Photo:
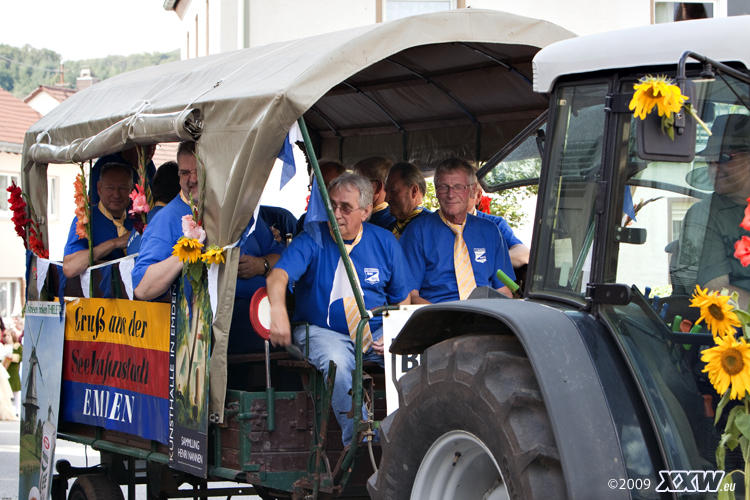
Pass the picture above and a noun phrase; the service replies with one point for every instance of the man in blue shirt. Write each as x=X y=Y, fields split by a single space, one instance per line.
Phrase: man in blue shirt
x=383 y=276
x=451 y=253
x=519 y=253
x=404 y=190
x=376 y=170
x=110 y=226
x=156 y=268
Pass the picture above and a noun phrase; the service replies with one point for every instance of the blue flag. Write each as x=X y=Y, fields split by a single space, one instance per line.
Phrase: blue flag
x=316 y=214
x=286 y=155
x=627 y=204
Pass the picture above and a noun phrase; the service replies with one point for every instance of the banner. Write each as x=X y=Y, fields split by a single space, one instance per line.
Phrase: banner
x=115 y=366
x=42 y=365
x=188 y=381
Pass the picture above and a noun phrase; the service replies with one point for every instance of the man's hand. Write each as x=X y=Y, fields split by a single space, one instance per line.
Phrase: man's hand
x=121 y=242
x=276 y=234
x=377 y=346
x=281 y=330
x=250 y=266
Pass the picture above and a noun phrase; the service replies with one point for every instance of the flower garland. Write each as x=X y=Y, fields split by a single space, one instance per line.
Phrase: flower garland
x=484 y=204
x=660 y=92
x=19 y=201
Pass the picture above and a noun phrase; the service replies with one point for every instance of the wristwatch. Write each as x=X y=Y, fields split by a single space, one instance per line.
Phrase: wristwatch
x=267 y=267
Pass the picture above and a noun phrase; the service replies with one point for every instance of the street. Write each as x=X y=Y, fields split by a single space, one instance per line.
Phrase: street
x=78 y=456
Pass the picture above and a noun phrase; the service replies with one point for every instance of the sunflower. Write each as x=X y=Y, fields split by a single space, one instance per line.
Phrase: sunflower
x=716 y=310
x=187 y=249
x=214 y=255
x=656 y=91
x=728 y=363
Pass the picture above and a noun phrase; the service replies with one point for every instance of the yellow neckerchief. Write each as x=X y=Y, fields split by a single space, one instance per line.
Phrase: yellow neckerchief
x=379 y=207
x=184 y=198
x=161 y=203
x=119 y=222
x=398 y=229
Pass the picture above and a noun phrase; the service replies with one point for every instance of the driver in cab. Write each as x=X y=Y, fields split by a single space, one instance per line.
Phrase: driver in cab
x=711 y=227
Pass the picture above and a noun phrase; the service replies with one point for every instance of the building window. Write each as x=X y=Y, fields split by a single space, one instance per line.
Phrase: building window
x=9 y=294
x=5 y=181
x=53 y=197
x=738 y=7
x=396 y=9
x=668 y=12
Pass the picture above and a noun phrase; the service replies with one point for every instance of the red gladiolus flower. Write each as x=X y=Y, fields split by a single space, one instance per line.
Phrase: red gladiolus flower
x=484 y=204
x=742 y=250
x=18 y=206
x=745 y=224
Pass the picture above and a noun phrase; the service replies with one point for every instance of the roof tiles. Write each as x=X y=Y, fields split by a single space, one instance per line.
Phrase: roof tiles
x=15 y=118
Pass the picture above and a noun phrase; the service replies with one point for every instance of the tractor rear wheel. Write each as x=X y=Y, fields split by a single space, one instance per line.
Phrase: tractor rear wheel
x=95 y=487
x=471 y=425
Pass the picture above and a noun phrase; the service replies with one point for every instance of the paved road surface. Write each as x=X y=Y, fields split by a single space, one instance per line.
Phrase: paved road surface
x=76 y=454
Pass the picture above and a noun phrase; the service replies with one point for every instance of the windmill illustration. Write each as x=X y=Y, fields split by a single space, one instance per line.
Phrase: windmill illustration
x=30 y=402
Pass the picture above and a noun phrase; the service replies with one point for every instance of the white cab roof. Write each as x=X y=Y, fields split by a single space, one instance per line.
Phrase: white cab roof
x=722 y=39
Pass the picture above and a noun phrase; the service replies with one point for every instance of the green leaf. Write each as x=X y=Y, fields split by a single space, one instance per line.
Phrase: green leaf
x=721 y=405
x=721 y=451
x=196 y=271
x=723 y=494
x=742 y=421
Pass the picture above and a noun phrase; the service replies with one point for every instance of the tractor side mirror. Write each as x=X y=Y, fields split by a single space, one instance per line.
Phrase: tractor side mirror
x=656 y=145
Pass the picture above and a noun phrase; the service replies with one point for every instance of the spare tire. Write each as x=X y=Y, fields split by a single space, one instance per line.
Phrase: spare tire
x=471 y=425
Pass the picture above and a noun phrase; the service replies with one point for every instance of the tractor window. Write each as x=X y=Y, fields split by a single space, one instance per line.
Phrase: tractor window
x=673 y=226
x=567 y=234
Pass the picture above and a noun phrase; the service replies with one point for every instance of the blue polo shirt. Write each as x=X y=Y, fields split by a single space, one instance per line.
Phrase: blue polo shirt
x=428 y=246
x=259 y=243
x=102 y=228
x=510 y=238
x=159 y=237
x=378 y=260
x=134 y=243
x=383 y=218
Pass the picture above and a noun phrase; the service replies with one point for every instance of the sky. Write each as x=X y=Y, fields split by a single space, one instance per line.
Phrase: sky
x=88 y=29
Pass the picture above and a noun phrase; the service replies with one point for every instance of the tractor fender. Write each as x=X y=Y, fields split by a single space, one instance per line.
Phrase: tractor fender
x=586 y=438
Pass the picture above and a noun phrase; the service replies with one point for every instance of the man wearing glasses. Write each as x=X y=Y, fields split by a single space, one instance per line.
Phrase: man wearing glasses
x=322 y=291
x=711 y=226
x=450 y=252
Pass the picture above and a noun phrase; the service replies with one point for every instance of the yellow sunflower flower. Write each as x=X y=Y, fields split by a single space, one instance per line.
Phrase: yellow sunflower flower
x=716 y=310
x=214 y=255
x=728 y=363
x=656 y=91
x=187 y=249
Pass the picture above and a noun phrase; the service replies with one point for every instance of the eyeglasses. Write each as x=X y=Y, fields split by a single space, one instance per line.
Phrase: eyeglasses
x=345 y=209
x=458 y=188
x=727 y=157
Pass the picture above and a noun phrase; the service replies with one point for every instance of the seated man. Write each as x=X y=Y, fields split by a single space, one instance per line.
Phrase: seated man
x=711 y=227
x=450 y=252
x=519 y=253
x=156 y=268
x=110 y=226
x=127 y=157
x=405 y=188
x=376 y=170
x=383 y=276
x=165 y=188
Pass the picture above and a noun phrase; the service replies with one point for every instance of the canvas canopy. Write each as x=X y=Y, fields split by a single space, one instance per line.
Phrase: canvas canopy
x=423 y=88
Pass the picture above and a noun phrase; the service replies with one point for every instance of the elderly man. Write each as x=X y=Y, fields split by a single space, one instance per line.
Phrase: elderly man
x=450 y=252
x=404 y=190
x=156 y=268
x=711 y=227
x=110 y=226
x=383 y=276
x=330 y=170
x=519 y=253
x=376 y=170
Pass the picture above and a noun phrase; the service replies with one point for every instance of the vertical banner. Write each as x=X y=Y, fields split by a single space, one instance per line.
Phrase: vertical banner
x=115 y=366
x=42 y=366
x=188 y=392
